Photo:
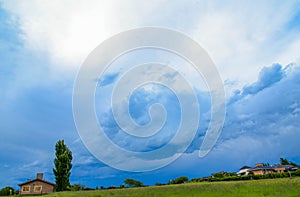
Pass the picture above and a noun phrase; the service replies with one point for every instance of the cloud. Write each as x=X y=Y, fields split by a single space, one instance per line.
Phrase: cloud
x=43 y=43
x=240 y=37
x=267 y=77
x=67 y=31
x=268 y=116
x=108 y=79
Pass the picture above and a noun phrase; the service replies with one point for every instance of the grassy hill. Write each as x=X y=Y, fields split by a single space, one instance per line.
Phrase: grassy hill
x=266 y=187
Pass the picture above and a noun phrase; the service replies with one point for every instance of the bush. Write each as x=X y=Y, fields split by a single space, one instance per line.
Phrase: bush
x=132 y=183
x=6 y=191
x=296 y=173
x=179 y=180
x=112 y=187
x=77 y=187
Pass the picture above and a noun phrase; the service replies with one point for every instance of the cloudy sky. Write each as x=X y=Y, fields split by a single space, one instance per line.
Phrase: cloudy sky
x=255 y=47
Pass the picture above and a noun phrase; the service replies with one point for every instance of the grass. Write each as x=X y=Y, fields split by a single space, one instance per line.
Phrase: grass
x=267 y=187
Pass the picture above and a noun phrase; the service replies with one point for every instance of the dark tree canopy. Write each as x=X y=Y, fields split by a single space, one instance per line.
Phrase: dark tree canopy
x=179 y=180
x=63 y=165
x=284 y=161
x=132 y=183
x=6 y=191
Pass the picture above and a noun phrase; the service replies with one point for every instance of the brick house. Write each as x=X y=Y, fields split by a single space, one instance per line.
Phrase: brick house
x=36 y=186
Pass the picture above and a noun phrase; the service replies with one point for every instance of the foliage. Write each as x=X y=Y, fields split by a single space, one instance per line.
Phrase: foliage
x=63 y=165
x=132 y=183
x=159 y=184
x=112 y=187
x=77 y=187
x=179 y=180
x=284 y=161
x=295 y=173
x=223 y=174
x=6 y=191
x=248 y=177
x=250 y=188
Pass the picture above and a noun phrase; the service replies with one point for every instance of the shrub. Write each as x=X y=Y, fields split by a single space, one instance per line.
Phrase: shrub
x=6 y=191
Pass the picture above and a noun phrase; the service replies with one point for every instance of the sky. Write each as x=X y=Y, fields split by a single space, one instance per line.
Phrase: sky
x=43 y=44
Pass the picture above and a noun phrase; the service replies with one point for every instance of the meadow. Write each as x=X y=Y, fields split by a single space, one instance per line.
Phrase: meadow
x=267 y=187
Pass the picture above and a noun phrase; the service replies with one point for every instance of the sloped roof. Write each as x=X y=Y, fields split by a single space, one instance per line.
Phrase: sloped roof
x=262 y=168
x=30 y=181
x=284 y=166
x=245 y=167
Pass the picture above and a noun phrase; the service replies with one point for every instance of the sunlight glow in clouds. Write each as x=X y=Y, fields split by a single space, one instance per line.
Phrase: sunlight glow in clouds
x=238 y=36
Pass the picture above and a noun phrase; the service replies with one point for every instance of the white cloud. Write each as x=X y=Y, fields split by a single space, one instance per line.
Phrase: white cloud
x=241 y=37
x=68 y=31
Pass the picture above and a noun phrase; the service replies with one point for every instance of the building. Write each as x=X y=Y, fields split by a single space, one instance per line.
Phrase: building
x=244 y=170
x=36 y=186
x=261 y=169
x=284 y=168
x=259 y=165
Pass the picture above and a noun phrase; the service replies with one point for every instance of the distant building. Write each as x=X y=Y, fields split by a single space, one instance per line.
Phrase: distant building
x=36 y=186
x=261 y=169
x=244 y=170
x=284 y=168
x=259 y=165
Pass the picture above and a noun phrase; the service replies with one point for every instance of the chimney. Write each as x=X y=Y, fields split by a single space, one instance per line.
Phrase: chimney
x=39 y=176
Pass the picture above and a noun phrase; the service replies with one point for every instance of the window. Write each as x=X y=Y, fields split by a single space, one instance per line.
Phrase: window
x=25 y=188
x=37 y=188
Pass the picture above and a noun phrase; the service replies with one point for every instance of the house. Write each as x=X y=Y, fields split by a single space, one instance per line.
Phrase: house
x=244 y=170
x=261 y=170
x=284 y=168
x=259 y=165
x=36 y=186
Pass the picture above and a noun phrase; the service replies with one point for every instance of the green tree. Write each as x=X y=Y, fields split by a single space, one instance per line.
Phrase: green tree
x=179 y=180
x=6 y=191
x=284 y=161
x=77 y=187
x=132 y=183
x=63 y=166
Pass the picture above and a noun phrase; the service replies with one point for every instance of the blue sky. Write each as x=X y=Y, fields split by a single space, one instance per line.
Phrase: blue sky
x=255 y=47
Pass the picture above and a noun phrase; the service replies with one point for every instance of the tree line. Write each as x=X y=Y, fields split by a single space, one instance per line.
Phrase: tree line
x=63 y=166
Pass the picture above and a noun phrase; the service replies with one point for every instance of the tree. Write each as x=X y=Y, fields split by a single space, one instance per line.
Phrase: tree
x=179 y=180
x=7 y=191
x=284 y=161
x=77 y=187
x=63 y=165
x=132 y=183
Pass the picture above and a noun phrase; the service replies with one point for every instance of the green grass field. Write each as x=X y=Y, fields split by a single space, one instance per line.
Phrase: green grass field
x=266 y=187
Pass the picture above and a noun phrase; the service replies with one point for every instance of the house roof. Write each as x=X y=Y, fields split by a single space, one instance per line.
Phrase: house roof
x=30 y=181
x=245 y=167
x=262 y=168
x=284 y=166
